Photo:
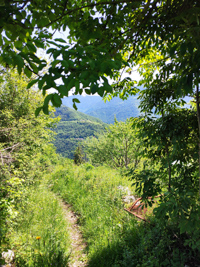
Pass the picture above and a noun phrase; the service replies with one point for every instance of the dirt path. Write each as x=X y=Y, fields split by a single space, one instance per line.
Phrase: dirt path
x=77 y=257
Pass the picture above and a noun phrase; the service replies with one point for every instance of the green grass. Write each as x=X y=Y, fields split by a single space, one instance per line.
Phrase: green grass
x=40 y=236
x=95 y=196
x=113 y=236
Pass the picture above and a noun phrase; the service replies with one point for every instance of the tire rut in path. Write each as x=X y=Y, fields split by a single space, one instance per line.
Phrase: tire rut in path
x=77 y=257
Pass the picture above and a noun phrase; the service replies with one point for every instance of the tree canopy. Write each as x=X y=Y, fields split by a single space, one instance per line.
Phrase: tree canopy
x=104 y=38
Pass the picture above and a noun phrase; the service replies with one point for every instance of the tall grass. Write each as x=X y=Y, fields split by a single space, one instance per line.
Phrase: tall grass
x=114 y=237
x=40 y=236
x=97 y=198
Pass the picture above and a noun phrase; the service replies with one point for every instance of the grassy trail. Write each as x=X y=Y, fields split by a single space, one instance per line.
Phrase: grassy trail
x=96 y=196
x=77 y=256
x=40 y=236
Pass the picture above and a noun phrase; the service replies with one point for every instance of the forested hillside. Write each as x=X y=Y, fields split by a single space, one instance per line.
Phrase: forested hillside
x=106 y=111
x=73 y=128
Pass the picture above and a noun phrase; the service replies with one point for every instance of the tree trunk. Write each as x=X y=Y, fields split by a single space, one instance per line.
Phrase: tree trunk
x=198 y=119
x=169 y=168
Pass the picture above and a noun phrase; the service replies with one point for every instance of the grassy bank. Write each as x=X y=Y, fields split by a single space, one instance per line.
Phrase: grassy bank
x=39 y=236
x=114 y=237
x=96 y=196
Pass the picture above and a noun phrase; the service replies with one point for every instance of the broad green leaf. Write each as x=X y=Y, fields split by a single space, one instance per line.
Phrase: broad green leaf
x=65 y=64
x=75 y=100
x=31 y=47
x=60 y=40
x=31 y=83
x=27 y=72
x=74 y=106
x=50 y=50
x=101 y=91
x=63 y=90
x=56 y=101
x=47 y=99
x=41 y=83
x=18 y=60
x=37 y=111
x=94 y=89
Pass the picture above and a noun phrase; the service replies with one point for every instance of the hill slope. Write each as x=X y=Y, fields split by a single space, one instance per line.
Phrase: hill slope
x=95 y=106
x=74 y=127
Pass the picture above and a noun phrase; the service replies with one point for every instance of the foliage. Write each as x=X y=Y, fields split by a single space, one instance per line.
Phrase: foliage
x=24 y=148
x=104 y=37
x=171 y=169
x=78 y=156
x=160 y=37
x=113 y=236
x=117 y=147
x=96 y=197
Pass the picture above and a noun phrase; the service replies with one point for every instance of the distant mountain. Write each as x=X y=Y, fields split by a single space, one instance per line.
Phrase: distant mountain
x=96 y=107
x=73 y=128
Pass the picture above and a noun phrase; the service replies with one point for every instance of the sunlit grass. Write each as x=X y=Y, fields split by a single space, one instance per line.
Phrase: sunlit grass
x=96 y=197
x=40 y=236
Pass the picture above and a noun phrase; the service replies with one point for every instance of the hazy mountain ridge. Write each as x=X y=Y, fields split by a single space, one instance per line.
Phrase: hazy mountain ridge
x=96 y=107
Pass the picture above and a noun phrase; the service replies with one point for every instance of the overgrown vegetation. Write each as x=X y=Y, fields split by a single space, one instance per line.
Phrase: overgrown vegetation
x=117 y=147
x=39 y=236
x=97 y=198
x=31 y=221
x=114 y=237
x=106 y=41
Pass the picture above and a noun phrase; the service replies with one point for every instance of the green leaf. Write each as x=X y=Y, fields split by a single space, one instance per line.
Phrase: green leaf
x=65 y=64
x=74 y=106
x=56 y=53
x=31 y=47
x=43 y=22
x=76 y=100
x=54 y=63
x=41 y=83
x=101 y=91
x=77 y=85
x=31 y=83
x=50 y=50
x=45 y=110
x=71 y=84
x=63 y=90
x=18 y=60
x=27 y=72
x=39 y=44
x=37 y=111
x=108 y=88
x=56 y=101
x=94 y=89
x=60 y=40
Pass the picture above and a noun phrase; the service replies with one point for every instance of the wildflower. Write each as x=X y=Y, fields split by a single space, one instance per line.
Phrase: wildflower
x=38 y=237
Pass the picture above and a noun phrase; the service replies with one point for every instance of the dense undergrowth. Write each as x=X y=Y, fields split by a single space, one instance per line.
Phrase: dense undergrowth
x=114 y=237
x=39 y=235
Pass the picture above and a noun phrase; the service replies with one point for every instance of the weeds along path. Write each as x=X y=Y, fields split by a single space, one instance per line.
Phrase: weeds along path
x=77 y=257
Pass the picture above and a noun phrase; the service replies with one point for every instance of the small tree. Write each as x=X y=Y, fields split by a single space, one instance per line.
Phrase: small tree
x=117 y=147
x=78 y=156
